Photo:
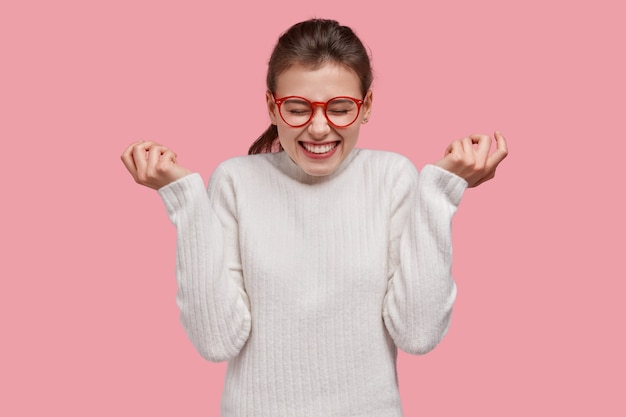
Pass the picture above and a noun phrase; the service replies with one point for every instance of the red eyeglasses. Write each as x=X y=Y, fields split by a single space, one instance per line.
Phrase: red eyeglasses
x=339 y=111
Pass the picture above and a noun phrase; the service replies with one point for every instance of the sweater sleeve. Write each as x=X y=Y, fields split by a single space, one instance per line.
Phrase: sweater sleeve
x=420 y=292
x=214 y=307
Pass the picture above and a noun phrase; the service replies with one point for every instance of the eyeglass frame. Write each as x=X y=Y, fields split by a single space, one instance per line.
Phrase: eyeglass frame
x=280 y=101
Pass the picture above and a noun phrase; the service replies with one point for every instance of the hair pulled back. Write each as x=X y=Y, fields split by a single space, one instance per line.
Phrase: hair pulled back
x=313 y=43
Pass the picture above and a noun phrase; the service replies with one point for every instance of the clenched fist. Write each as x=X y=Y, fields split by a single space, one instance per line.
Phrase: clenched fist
x=152 y=165
x=469 y=158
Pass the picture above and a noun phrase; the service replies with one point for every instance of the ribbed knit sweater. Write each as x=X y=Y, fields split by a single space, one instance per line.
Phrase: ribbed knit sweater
x=308 y=285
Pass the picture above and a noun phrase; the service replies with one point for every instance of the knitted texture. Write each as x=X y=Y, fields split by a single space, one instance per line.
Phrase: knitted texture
x=307 y=285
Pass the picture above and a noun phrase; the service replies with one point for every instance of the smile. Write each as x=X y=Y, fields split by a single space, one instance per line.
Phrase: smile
x=319 y=149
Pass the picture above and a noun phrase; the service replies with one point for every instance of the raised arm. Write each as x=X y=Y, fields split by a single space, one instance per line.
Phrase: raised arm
x=213 y=304
x=421 y=292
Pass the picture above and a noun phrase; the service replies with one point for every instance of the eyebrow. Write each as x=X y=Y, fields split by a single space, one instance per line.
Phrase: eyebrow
x=296 y=100
x=334 y=100
x=341 y=100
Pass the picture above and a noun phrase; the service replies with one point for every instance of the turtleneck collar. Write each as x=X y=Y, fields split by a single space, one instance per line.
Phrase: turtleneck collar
x=285 y=164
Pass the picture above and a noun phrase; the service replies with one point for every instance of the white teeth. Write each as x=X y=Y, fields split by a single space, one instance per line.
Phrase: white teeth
x=319 y=149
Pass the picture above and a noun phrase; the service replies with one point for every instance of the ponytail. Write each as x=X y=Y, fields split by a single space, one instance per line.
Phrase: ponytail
x=267 y=142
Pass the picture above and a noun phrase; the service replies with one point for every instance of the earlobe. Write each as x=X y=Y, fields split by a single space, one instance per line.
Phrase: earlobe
x=367 y=106
x=271 y=106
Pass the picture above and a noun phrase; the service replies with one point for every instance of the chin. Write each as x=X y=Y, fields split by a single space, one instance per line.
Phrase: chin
x=320 y=165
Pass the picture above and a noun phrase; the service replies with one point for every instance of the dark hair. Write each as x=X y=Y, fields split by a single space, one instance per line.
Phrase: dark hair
x=313 y=43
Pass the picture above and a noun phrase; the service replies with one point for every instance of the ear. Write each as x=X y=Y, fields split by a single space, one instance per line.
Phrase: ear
x=366 y=108
x=271 y=106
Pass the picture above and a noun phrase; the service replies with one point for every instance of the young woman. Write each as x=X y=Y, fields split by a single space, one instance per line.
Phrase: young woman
x=307 y=264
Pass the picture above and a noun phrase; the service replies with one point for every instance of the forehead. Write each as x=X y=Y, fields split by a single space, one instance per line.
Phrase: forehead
x=318 y=84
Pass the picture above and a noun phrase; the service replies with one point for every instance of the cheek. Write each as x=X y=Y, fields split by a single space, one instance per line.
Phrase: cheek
x=286 y=137
x=353 y=134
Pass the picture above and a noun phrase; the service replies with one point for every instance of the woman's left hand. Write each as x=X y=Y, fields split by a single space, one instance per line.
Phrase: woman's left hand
x=469 y=158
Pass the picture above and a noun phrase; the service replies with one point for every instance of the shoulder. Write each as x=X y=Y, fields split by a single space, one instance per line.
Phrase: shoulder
x=241 y=168
x=245 y=163
x=384 y=158
x=396 y=174
x=386 y=163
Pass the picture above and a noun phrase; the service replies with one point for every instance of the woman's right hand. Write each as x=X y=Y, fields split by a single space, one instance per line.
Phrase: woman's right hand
x=152 y=165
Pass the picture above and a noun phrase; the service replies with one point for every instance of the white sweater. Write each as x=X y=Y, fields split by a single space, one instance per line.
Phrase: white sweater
x=306 y=284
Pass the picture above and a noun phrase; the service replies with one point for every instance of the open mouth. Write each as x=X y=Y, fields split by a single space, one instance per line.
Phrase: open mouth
x=320 y=149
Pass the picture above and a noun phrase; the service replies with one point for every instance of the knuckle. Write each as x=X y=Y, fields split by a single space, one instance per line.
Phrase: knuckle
x=161 y=169
x=456 y=157
x=141 y=178
x=146 y=176
x=151 y=174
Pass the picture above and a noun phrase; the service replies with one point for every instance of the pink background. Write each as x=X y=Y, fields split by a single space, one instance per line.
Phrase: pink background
x=87 y=296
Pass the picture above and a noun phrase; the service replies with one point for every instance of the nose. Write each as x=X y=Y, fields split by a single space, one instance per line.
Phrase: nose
x=319 y=127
